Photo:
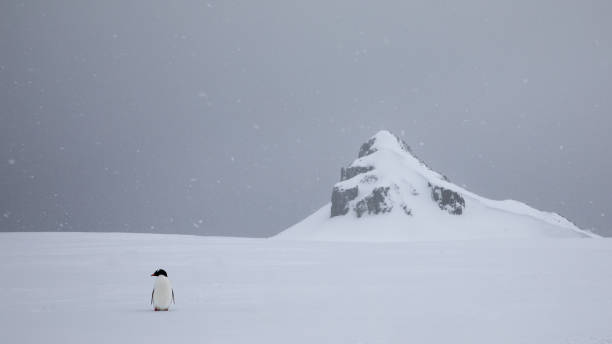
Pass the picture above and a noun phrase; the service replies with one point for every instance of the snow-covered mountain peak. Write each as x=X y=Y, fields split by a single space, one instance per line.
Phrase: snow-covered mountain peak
x=390 y=154
x=383 y=140
x=388 y=193
x=387 y=177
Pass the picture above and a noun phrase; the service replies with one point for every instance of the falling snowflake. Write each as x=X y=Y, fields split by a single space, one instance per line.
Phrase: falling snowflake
x=11 y=161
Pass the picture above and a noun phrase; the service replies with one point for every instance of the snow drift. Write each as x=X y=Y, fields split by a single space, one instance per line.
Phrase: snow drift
x=388 y=194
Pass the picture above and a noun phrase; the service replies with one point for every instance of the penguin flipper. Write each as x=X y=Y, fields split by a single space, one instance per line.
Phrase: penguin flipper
x=152 y=292
x=173 y=297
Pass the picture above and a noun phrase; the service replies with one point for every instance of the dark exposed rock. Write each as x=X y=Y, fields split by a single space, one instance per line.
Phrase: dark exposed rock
x=374 y=203
x=349 y=172
x=369 y=179
x=404 y=145
x=367 y=148
x=341 y=199
x=448 y=200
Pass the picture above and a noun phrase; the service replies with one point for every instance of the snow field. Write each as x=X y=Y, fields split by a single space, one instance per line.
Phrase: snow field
x=96 y=288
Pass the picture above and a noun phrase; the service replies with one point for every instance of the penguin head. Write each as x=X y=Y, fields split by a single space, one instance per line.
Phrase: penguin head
x=160 y=272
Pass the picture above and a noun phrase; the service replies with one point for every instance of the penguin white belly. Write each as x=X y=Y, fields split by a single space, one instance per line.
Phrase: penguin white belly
x=162 y=293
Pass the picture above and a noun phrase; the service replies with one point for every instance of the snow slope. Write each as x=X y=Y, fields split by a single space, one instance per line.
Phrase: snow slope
x=388 y=194
x=95 y=288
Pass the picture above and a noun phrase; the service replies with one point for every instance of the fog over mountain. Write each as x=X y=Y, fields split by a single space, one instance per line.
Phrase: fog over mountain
x=233 y=117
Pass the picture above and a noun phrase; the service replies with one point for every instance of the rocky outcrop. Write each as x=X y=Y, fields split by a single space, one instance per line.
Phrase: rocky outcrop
x=369 y=148
x=448 y=200
x=341 y=199
x=351 y=171
x=375 y=203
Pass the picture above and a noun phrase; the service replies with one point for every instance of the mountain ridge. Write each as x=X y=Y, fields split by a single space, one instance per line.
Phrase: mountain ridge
x=388 y=189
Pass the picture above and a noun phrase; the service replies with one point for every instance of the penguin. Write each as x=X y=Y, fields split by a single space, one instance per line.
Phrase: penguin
x=162 y=294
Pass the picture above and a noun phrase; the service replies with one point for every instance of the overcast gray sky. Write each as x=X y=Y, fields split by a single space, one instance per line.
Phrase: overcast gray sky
x=234 y=117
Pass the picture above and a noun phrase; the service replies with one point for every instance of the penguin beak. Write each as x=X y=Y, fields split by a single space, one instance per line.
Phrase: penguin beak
x=152 y=274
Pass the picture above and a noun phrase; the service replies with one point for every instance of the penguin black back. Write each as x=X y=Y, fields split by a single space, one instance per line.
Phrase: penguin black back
x=160 y=272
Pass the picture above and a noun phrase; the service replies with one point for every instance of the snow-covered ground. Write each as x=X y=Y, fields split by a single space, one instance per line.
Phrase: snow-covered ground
x=96 y=288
